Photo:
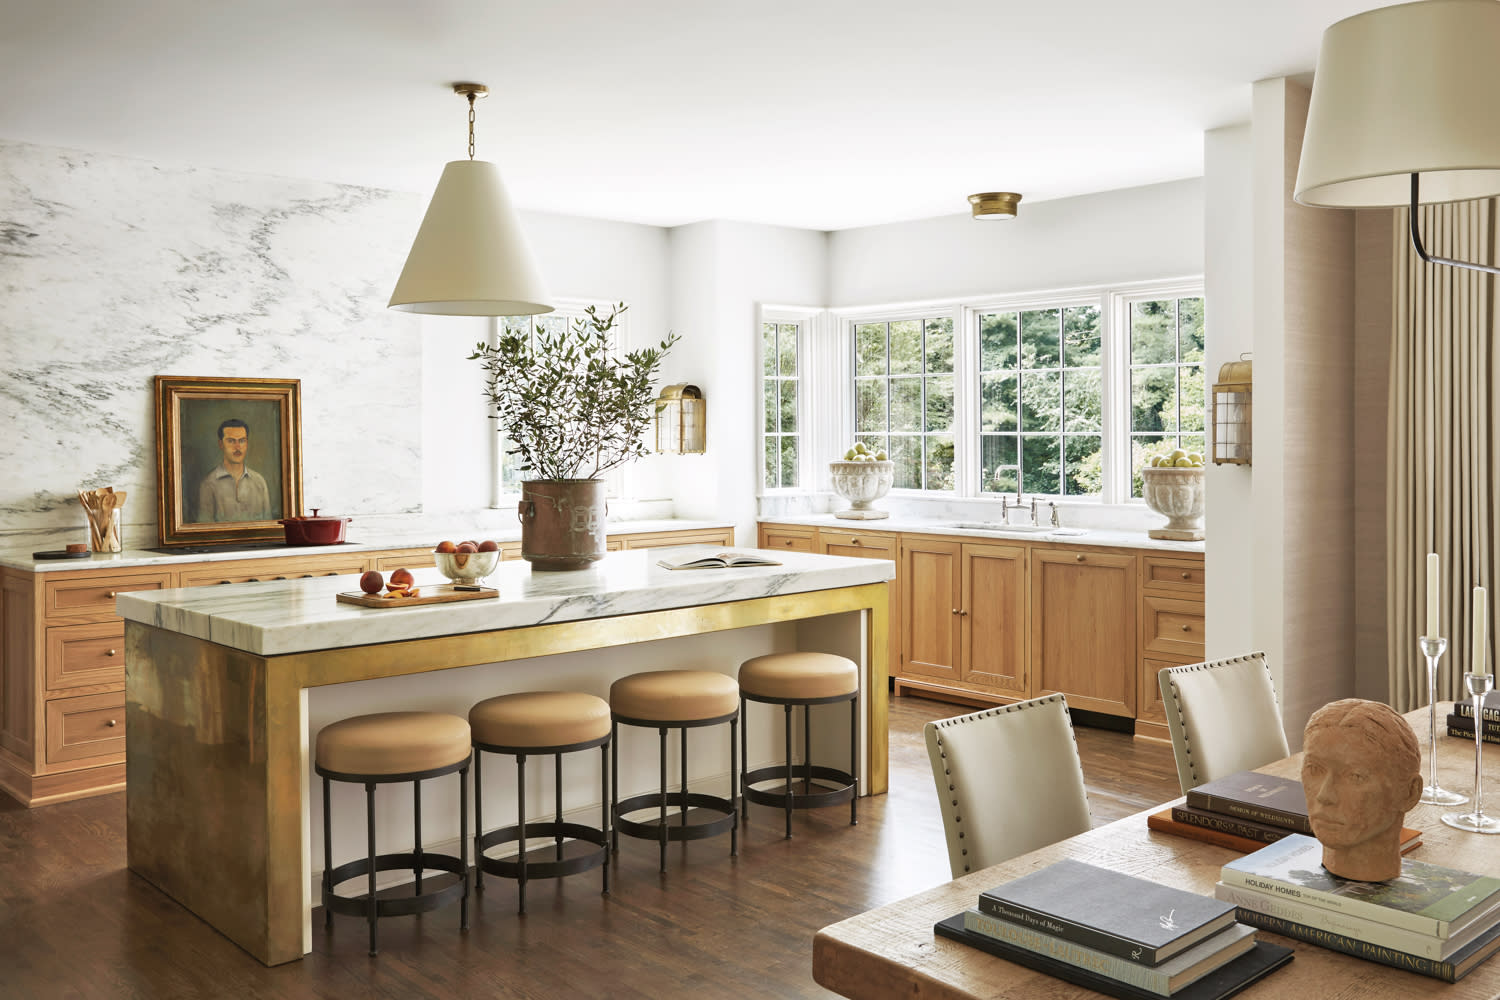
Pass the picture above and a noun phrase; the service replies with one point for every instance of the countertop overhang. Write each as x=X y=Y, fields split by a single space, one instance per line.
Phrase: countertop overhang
x=272 y=618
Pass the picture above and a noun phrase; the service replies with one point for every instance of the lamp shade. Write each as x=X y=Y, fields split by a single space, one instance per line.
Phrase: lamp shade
x=470 y=257
x=1400 y=90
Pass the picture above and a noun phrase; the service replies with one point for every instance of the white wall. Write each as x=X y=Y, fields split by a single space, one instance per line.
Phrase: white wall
x=1135 y=234
x=1229 y=297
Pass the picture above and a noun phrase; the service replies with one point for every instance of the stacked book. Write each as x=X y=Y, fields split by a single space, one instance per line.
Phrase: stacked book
x=1116 y=934
x=1247 y=811
x=1461 y=719
x=1436 y=921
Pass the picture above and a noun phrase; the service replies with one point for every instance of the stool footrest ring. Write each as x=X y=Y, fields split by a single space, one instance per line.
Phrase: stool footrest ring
x=800 y=800
x=359 y=906
x=511 y=867
x=696 y=827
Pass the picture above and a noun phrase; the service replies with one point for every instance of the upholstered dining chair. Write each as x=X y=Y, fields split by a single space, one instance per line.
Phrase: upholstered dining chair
x=1008 y=781
x=1223 y=717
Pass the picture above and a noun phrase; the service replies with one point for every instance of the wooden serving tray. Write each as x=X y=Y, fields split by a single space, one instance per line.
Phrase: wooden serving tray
x=442 y=593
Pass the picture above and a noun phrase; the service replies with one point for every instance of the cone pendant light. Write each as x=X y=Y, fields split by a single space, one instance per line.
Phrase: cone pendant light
x=470 y=257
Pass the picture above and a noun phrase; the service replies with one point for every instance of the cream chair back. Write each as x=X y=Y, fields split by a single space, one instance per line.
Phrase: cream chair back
x=1008 y=780
x=1223 y=717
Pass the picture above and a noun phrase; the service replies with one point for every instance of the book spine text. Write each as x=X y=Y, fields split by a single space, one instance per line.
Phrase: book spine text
x=1227 y=824
x=1067 y=951
x=1466 y=709
x=1244 y=810
x=1328 y=901
x=1089 y=937
x=1382 y=935
x=1348 y=945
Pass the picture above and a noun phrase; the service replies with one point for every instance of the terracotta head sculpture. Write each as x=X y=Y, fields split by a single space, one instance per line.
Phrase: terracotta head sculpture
x=1361 y=772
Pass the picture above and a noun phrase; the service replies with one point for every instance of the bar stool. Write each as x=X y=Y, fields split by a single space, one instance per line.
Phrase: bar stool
x=540 y=722
x=805 y=679
x=675 y=699
x=379 y=749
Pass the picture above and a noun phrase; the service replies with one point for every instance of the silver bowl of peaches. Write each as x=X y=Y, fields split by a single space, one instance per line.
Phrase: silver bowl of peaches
x=466 y=562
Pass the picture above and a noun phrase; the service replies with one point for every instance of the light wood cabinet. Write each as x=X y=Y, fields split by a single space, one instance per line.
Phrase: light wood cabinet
x=793 y=537
x=1172 y=631
x=872 y=545
x=931 y=574
x=62 y=655
x=992 y=616
x=1083 y=627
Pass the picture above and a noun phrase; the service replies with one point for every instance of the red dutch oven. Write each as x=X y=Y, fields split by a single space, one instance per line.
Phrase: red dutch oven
x=314 y=530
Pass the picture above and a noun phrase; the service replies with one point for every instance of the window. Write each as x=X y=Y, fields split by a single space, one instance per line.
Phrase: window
x=1166 y=380
x=903 y=397
x=780 y=369
x=1041 y=414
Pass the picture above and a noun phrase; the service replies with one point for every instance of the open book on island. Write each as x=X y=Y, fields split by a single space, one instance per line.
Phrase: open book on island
x=718 y=560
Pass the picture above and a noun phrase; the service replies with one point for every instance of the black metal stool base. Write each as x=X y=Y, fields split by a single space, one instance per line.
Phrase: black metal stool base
x=845 y=786
x=395 y=906
x=686 y=824
x=839 y=787
x=557 y=867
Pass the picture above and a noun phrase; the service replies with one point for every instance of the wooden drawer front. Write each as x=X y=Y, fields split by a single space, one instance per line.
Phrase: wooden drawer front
x=658 y=539
x=1179 y=577
x=1174 y=627
x=406 y=558
x=772 y=538
x=272 y=569
x=93 y=599
x=866 y=544
x=512 y=550
x=91 y=725
x=85 y=654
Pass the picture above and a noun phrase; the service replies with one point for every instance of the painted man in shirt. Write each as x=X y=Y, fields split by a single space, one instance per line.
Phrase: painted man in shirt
x=232 y=492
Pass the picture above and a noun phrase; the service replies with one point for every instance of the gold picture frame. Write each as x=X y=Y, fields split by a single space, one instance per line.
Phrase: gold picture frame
x=228 y=458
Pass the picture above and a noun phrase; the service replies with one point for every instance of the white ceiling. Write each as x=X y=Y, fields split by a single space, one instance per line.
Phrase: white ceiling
x=823 y=114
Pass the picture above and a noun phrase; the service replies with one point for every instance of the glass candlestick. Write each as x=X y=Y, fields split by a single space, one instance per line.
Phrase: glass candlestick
x=1432 y=793
x=1478 y=685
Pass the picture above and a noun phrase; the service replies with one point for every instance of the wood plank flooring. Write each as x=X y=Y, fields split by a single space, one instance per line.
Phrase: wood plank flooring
x=75 y=923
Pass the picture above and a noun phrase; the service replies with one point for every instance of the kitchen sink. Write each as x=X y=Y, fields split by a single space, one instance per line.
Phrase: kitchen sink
x=1015 y=529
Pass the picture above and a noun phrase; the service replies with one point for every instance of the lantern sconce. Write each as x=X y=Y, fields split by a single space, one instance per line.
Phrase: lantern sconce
x=1231 y=413
x=681 y=421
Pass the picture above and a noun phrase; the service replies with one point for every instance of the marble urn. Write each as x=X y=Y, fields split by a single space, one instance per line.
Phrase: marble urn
x=1177 y=495
x=862 y=483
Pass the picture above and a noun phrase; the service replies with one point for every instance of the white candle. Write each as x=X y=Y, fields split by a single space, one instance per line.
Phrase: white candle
x=1477 y=661
x=1432 y=595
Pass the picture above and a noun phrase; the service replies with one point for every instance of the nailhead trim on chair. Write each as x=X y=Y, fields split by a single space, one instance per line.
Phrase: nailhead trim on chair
x=941 y=724
x=1187 y=746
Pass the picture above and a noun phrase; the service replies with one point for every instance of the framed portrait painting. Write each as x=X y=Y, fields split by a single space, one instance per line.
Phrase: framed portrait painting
x=228 y=458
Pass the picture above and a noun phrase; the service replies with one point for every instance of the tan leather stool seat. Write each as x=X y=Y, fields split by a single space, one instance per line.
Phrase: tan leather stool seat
x=675 y=695
x=540 y=719
x=799 y=675
x=393 y=743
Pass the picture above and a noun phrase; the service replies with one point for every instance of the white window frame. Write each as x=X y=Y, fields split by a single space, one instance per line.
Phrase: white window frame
x=807 y=320
x=1113 y=302
x=569 y=309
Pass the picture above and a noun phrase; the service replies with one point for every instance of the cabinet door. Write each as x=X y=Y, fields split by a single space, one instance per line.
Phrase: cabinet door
x=1083 y=628
x=993 y=618
x=873 y=545
x=931 y=578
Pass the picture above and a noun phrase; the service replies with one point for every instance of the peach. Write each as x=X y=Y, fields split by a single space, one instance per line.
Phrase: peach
x=488 y=546
x=467 y=547
x=401 y=578
x=372 y=582
x=444 y=546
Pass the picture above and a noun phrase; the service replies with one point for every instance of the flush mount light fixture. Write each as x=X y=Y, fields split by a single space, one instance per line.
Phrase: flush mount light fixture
x=1404 y=111
x=470 y=257
x=994 y=205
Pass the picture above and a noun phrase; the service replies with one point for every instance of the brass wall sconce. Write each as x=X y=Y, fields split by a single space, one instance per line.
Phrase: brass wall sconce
x=1231 y=414
x=681 y=421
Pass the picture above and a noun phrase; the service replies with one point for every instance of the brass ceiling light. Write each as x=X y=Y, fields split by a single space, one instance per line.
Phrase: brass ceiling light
x=470 y=257
x=994 y=205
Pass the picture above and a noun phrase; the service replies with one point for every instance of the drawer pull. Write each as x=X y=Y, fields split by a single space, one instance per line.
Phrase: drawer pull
x=278 y=578
x=307 y=576
x=253 y=579
x=854 y=541
x=963 y=613
x=955 y=611
x=1186 y=575
x=222 y=582
x=1187 y=628
x=1079 y=558
x=109 y=593
x=110 y=723
x=109 y=652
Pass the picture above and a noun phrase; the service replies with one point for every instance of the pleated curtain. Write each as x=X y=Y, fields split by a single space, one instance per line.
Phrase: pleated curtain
x=1442 y=444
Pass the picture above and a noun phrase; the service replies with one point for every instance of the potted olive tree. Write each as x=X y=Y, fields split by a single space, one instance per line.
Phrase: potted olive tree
x=572 y=409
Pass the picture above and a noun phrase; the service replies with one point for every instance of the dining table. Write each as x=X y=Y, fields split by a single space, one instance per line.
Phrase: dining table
x=892 y=951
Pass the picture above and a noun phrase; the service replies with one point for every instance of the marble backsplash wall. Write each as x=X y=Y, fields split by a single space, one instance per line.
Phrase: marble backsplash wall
x=114 y=270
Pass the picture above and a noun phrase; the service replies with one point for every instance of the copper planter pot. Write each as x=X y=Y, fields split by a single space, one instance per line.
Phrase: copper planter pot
x=562 y=523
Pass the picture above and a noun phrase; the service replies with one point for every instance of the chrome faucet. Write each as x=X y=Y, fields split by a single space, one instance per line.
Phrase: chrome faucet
x=1033 y=512
x=1055 y=522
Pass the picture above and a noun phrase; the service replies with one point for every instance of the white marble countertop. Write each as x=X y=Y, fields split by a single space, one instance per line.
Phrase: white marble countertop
x=1111 y=537
x=21 y=557
x=290 y=616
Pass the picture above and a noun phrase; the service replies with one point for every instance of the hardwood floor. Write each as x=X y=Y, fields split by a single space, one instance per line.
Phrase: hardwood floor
x=75 y=923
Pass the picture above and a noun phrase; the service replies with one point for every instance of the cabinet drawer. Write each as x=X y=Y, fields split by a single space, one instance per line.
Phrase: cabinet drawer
x=864 y=543
x=91 y=725
x=660 y=539
x=788 y=542
x=93 y=598
x=271 y=569
x=407 y=559
x=1179 y=577
x=93 y=653
x=1173 y=626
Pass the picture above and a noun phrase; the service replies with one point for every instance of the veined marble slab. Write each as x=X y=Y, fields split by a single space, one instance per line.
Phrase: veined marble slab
x=293 y=616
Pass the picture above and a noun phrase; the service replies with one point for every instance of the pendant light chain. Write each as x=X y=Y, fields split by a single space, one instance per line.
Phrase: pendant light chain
x=471 y=124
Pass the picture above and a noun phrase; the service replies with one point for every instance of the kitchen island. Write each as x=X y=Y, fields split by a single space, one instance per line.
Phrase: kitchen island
x=219 y=684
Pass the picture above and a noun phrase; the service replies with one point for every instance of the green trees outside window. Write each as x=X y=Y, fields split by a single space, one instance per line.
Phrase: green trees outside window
x=779 y=383
x=903 y=397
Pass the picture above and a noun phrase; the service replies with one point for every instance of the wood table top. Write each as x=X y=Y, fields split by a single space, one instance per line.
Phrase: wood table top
x=891 y=951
